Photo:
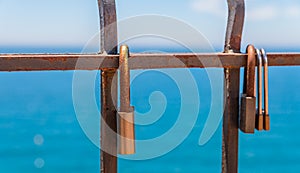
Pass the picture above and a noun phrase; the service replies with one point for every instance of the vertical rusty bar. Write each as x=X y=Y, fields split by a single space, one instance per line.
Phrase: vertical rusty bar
x=235 y=24
x=109 y=89
x=236 y=10
x=108 y=26
x=108 y=122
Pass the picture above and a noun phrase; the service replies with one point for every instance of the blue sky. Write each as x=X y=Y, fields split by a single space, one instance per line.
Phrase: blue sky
x=268 y=23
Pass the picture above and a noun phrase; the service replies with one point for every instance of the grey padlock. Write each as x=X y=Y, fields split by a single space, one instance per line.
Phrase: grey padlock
x=248 y=99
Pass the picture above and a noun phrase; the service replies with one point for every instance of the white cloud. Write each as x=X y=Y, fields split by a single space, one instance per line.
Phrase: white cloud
x=292 y=11
x=262 y=13
x=214 y=7
x=268 y=12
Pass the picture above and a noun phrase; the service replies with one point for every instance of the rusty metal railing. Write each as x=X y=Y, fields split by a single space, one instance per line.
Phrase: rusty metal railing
x=108 y=62
x=43 y=62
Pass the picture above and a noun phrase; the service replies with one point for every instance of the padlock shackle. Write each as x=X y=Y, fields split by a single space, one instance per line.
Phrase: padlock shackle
x=259 y=81
x=124 y=79
x=266 y=81
x=249 y=72
x=248 y=100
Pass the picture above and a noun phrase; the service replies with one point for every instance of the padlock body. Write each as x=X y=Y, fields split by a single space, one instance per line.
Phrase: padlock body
x=126 y=133
x=259 y=124
x=248 y=112
x=266 y=122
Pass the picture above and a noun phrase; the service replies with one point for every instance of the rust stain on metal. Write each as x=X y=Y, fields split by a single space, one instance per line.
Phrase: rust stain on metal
x=235 y=23
x=51 y=60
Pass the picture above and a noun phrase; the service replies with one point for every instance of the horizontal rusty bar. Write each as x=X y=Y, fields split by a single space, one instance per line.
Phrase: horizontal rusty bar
x=44 y=62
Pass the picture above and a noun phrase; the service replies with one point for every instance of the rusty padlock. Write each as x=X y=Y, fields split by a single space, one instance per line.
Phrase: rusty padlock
x=248 y=99
x=126 y=132
x=259 y=120
x=126 y=113
x=266 y=115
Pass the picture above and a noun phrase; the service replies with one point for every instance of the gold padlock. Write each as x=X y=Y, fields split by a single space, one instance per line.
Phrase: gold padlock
x=126 y=113
x=248 y=99
x=126 y=132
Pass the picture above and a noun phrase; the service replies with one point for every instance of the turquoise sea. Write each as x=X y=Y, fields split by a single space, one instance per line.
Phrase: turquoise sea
x=40 y=132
